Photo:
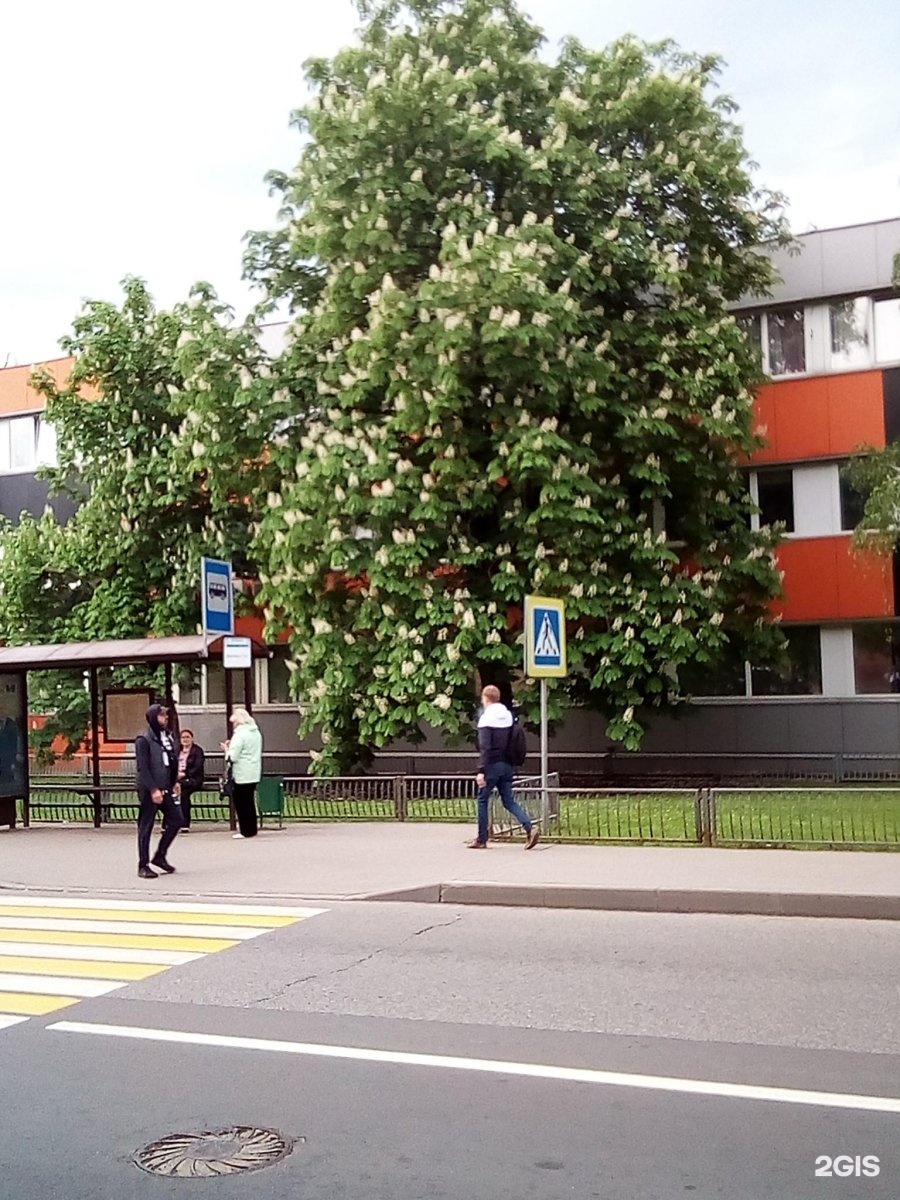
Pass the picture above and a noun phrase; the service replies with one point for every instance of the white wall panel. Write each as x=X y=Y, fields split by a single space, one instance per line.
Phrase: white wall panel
x=837 y=661
x=817 y=500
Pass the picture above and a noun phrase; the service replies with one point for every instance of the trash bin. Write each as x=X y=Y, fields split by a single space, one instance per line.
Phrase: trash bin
x=270 y=799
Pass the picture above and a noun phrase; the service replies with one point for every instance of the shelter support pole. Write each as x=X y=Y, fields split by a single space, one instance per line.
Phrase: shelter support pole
x=249 y=689
x=26 y=799
x=170 y=703
x=95 y=745
x=229 y=708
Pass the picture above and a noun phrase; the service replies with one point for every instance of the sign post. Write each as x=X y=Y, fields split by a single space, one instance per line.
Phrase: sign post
x=545 y=658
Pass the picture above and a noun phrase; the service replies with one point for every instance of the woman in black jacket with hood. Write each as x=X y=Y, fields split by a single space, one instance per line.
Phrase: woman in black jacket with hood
x=158 y=790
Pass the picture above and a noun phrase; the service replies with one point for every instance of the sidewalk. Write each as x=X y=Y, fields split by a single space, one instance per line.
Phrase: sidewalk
x=430 y=863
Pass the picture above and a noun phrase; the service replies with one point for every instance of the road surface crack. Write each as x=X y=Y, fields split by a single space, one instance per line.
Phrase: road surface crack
x=317 y=975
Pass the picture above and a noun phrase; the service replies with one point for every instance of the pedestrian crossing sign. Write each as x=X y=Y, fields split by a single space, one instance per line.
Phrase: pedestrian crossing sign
x=545 y=637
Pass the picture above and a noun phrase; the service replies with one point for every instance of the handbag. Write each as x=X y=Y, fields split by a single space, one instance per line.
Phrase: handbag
x=226 y=783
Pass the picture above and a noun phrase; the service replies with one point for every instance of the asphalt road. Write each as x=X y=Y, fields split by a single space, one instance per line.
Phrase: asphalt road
x=519 y=1054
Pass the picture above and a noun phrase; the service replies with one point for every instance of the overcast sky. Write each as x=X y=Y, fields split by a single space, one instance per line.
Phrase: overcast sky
x=136 y=137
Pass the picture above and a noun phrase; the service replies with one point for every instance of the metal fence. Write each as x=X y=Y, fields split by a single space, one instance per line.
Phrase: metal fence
x=863 y=818
x=850 y=817
x=602 y=769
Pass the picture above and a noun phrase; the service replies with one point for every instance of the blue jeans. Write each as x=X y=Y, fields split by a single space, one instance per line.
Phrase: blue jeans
x=499 y=776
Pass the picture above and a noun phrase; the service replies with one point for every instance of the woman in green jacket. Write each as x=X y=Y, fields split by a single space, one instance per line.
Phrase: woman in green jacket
x=244 y=752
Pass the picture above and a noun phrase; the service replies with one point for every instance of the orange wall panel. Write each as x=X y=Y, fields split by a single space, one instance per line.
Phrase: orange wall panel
x=826 y=417
x=16 y=392
x=826 y=579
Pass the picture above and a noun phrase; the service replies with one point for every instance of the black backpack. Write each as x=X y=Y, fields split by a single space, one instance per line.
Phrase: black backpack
x=516 y=747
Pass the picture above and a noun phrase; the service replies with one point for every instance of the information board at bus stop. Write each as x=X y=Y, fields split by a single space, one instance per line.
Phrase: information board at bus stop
x=13 y=735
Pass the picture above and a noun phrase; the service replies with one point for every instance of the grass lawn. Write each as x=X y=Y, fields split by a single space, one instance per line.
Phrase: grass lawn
x=806 y=817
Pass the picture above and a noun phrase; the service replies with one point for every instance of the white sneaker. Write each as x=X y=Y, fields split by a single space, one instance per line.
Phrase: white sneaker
x=236 y=836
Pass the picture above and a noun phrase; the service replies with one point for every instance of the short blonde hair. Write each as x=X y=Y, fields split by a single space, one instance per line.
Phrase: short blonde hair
x=240 y=716
x=491 y=694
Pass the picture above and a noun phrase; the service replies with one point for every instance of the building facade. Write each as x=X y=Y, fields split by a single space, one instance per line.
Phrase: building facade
x=27 y=441
x=829 y=341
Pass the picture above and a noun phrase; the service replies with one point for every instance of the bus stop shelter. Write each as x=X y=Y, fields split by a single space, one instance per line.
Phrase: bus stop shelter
x=17 y=661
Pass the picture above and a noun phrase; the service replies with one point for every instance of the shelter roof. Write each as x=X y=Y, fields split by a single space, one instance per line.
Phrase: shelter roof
x=116 y=653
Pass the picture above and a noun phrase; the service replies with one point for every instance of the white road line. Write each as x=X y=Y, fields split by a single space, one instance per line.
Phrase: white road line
x=250 y=910
x=6 y=1021
x=58 y=985
x=658 y=1083
x=114 y=954
x=232 y=933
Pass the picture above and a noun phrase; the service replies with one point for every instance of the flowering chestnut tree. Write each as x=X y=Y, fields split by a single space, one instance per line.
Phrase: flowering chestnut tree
x=152 y=497
x=511 y=279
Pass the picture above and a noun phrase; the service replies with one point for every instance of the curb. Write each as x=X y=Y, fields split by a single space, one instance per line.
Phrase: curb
x=663 y=900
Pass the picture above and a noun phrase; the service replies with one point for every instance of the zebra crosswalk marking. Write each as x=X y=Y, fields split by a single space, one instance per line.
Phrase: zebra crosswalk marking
x=6 y=1020
x=203 y=945
x=55 y=951
x=27 y=1004
x=124 y=971
x=236 y=933
x=163 y=912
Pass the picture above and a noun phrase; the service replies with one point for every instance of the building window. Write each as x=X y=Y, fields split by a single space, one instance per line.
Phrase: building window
x=46 y=444
x=876 y=658
x=887 y=330
x=26 y=443
x=719 y=679
x=279 y=677
x=786 y=341
x=215 y=685
x=800 y=672
x=22 y=443
x=752 y=327
x=775 y=497
x=853 y=502
x=849 y=327
x=190 y=684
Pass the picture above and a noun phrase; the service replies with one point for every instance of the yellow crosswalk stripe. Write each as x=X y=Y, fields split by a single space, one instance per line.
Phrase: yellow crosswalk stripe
x=162 y=913
x=27 y=1004
x=88 y=947
x=126 y=940
x=82 y=970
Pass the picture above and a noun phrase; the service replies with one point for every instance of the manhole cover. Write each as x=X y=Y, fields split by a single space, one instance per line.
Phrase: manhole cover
x=214 y=1152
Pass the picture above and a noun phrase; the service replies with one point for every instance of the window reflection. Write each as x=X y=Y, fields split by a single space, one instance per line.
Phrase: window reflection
x=800 y=672
x=787 y=350
x=887 y=330
x=279 y=676
x=876 y=658
x=22 y=445
x=849 y=321
x=775 y=492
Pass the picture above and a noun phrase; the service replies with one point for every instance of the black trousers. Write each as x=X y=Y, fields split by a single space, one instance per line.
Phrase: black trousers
x=186 y=794
x=245 y=807
x=171 y=811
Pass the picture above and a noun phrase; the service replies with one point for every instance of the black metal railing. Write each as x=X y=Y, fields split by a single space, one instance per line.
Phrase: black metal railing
x=816 y=816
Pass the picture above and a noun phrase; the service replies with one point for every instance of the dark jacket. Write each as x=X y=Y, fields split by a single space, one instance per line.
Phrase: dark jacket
x=494 y=732
x=155 y=756
x=195 y=769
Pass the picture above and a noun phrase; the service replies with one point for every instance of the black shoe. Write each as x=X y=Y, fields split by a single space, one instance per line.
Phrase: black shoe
x=162 y=865
x=146 y=873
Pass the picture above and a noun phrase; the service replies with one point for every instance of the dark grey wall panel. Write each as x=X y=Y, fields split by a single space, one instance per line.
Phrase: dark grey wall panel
x=819 y=728
x=27 y=493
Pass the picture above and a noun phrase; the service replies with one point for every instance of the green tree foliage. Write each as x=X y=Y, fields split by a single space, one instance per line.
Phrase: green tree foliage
x=152 y=499
x=875 y=475
x=511 y=280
